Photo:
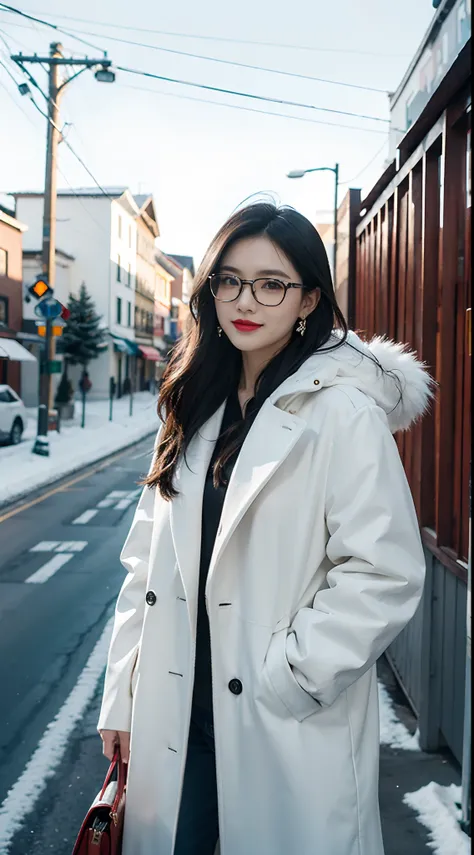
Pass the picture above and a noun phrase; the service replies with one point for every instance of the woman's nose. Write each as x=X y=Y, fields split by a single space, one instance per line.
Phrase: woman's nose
x=246 y=299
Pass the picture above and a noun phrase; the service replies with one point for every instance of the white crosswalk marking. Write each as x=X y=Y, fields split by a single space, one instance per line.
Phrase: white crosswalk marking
x=85 y=517
x=117 y=494
x=50 y=568
x=71 y=546
x=106 y=503
x=46 y=546
x=123 y=504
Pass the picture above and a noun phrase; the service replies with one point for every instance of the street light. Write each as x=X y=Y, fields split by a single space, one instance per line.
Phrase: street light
x=300 y=173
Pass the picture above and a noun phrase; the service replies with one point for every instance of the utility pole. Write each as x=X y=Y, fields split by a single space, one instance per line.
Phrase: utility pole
x=53 y=62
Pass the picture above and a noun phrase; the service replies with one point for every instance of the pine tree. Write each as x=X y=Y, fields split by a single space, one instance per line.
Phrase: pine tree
x=83 y=339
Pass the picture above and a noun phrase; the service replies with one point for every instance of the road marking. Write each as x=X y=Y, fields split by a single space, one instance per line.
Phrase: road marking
x=46 y=758
x=118 y=494
x=123 y=504
x=50 y=568
x=46 y=546
x=71 y=546
x=106 y=503
x=85 y=517
x=59 y=546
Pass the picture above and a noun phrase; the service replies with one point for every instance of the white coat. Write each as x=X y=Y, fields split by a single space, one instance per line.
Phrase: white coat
x=317 y=567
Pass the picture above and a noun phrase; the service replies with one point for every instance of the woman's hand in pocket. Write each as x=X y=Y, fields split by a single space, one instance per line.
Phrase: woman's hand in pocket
x=112 y=738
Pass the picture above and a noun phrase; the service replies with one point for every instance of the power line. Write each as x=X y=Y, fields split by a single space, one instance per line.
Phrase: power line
x=6 y=8
x=248 y=95
x=236 y=63
x=251 y=109
x=371 y=161
x=226 y=39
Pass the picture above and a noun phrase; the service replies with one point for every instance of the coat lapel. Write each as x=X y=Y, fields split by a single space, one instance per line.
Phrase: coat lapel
x=186 y=509
x=273 y=435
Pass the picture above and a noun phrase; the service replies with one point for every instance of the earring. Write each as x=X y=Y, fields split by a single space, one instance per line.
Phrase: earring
x=219 y=331
x=301 y=328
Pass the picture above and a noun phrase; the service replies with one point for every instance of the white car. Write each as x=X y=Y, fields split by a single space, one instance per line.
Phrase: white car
x=13 y=417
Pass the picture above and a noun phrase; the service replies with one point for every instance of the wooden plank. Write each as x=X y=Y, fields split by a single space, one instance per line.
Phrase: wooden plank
x=408 y=336
x=427 y=349
x=453 y=161
x=401 y=283
x=383 y=322
x=466 y=441
x=394 y=236
x=416 y=321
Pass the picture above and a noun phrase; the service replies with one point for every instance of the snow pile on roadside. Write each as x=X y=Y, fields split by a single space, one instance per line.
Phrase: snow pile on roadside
x=74 y=447
x=392 y=731
x=438 y=812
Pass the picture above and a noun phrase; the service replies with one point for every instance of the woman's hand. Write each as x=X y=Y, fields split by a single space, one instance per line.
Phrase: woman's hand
x=112 y=738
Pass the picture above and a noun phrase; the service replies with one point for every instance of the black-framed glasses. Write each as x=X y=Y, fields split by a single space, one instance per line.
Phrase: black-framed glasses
x=267 y=291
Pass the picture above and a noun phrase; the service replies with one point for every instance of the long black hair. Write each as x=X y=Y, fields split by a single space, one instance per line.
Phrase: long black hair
x=204 y=368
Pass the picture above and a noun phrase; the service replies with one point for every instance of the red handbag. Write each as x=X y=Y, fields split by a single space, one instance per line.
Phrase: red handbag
x=101 y=831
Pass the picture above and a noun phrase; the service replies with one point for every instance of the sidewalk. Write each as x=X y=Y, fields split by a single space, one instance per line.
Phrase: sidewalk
x=418 y=791
x=74 y=447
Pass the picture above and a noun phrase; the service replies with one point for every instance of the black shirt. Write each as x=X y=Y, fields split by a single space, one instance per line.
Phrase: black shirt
x=213 y=501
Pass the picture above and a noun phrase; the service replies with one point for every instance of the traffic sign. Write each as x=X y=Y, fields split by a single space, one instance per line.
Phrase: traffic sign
x=40 y=288
x=49 y=308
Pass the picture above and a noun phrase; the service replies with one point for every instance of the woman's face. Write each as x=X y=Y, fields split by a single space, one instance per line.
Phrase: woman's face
x=270 y=327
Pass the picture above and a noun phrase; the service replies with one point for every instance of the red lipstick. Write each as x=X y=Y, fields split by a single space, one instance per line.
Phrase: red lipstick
x=246 y=326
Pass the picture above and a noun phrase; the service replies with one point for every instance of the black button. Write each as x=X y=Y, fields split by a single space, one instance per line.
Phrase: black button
x=151 y=598
x=235 y=687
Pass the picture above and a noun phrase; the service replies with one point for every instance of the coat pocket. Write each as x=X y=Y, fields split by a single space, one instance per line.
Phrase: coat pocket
x=134 y=674
x=278 y=673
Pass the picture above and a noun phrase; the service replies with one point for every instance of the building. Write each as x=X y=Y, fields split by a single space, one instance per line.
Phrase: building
x=163 y=287
x=145 y=290
x=182 y=269
x=100 y=233
x=413 y=284
x=17 y=365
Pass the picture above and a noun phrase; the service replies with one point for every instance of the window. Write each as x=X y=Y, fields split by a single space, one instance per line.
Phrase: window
x=119 y=269
x=119 y=310
x=120 y=227
x=129 y=277
x=129 y=314
x=3 y=312
x=3 y=262
x=6 y=397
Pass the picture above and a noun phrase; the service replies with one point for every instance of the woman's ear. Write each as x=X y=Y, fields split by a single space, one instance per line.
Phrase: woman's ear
x=311 y=300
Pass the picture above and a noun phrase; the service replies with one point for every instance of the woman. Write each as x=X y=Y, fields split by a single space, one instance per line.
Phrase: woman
x=276 y=539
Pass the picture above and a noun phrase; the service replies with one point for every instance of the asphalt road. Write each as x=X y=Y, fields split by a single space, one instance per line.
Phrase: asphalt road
x=59 y=578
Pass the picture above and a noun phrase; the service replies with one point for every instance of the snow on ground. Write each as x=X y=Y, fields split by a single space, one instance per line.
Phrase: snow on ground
x=392 y=731
x=75 y=447
x=438 y=812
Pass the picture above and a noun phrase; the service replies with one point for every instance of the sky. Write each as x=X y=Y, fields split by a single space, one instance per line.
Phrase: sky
x=201 y=160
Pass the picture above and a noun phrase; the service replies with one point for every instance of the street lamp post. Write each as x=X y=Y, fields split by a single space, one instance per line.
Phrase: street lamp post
x=300 y=173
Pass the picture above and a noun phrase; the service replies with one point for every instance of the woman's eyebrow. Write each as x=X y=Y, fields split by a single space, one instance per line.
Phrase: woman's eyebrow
x=260 y=272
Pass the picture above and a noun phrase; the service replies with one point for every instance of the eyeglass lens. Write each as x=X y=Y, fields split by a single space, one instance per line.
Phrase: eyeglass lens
x=268 y=292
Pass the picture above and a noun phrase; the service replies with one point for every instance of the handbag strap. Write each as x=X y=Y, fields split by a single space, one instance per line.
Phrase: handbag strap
x=121 y=767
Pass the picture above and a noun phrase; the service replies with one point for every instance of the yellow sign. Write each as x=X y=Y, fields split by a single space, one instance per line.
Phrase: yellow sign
x=41 y=330
x=40 y=288
x=56 y=330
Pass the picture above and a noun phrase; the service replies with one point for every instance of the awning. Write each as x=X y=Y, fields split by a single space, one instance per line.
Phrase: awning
x=123 y=345
x=150 y=353
x=11 y=349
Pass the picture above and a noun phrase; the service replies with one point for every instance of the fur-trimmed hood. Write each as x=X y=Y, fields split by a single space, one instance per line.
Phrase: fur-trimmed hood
x=386 y=371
